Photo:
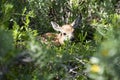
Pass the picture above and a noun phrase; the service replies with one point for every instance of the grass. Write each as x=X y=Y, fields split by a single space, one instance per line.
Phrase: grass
x=54 y=62
x=27 y=58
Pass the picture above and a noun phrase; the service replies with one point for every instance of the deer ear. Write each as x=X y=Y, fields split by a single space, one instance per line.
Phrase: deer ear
x=55 y=26
x=77 y=21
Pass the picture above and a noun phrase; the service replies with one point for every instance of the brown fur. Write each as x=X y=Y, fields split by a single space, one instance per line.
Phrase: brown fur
x=66 y=33
x=50 y=37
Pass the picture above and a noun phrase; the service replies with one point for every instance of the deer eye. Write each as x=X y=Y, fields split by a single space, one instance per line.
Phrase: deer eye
x=64 y=33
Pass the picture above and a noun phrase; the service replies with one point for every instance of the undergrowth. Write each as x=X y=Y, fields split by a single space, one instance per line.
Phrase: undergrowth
x=24 y=57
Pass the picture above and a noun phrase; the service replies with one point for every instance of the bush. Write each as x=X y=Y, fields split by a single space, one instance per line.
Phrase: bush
x=24 y=57
x=104 y=64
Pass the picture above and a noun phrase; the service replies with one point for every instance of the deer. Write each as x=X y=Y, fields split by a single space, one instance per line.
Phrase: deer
x=66 y=32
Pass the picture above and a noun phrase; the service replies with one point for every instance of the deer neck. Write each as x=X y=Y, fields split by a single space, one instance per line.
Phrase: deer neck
x=60 y=39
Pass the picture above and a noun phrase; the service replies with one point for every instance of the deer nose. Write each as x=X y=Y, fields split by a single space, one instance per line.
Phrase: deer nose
x=72 y=39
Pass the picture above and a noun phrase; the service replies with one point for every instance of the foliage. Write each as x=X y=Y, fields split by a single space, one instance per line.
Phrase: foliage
x=105 y=61
x=104 y=64
x=23 y=56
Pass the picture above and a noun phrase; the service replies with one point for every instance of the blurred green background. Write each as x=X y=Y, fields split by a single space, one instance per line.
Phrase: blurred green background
x=93 y=56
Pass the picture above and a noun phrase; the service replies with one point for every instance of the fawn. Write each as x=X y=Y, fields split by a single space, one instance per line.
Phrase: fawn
x=66 y=32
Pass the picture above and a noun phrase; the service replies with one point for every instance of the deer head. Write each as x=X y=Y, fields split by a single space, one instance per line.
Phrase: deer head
x=66 y=31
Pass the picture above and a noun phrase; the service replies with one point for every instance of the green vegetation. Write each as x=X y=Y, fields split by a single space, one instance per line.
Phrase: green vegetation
x=93 y=56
